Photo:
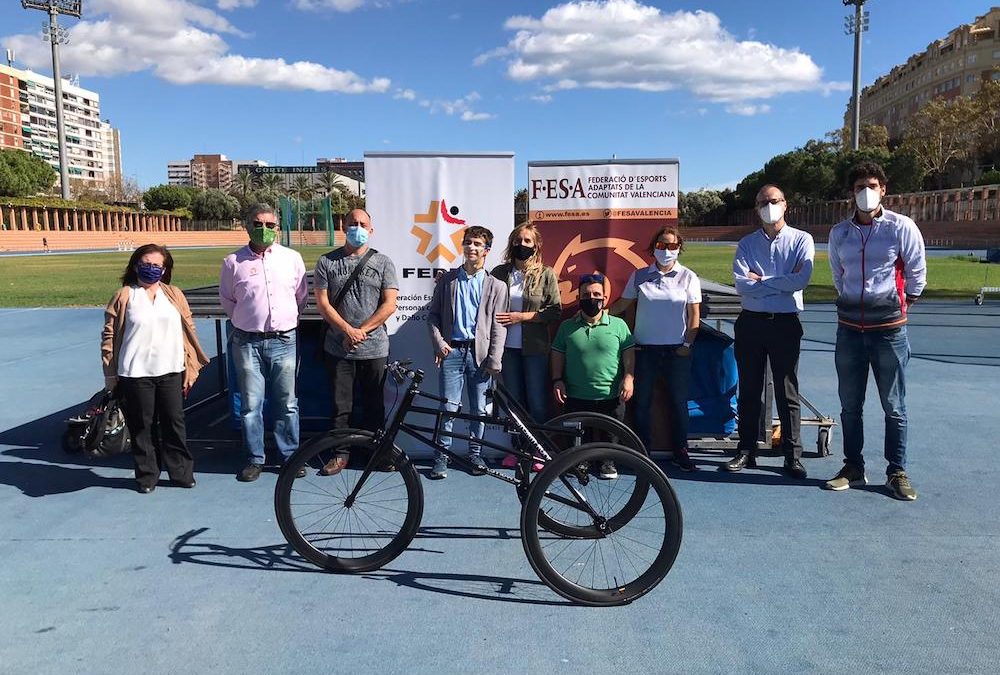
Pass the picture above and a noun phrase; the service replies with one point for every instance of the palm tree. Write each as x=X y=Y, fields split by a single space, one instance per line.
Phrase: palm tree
x=244 y=184
x=273 y=182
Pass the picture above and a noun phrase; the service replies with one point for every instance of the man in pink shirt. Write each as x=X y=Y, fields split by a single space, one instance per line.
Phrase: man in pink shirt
x=263 y=290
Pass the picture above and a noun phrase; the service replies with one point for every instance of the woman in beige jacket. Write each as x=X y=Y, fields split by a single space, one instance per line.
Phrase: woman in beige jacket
x=151 y=356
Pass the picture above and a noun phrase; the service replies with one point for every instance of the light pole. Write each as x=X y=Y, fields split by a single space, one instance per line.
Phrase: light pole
x=856 y=24
x=56 y=36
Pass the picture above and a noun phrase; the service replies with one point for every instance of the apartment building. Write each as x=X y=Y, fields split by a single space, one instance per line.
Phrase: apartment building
x=953 y=66
x=208 y=171
x=28 y=122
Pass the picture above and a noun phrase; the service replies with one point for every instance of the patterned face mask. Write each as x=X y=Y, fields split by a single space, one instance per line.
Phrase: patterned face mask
x=149 y=273
x=263 y=236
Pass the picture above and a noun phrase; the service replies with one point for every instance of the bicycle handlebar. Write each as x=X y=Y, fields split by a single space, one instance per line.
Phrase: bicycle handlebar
x=400 y=371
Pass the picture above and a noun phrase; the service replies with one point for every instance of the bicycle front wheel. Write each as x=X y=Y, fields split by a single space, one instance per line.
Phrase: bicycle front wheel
x=337 y=533
x=620 y=559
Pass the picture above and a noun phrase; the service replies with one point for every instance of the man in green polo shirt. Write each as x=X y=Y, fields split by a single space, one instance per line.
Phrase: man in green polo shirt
x=593 y=360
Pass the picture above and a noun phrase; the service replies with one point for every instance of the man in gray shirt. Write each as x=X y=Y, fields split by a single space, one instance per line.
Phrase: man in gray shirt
x=357 y=344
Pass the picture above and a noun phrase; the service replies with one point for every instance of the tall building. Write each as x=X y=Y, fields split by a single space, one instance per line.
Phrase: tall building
x=207 y=171
x=28 y=122
x=953 y=66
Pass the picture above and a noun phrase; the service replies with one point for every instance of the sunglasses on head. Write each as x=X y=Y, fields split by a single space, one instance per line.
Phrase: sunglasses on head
x=595 y=278
x=666 y=245
x=264 y=223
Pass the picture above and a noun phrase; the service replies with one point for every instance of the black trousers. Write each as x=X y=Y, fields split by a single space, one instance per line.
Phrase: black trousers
x=610 y=406
x=154 y=414
x=361 y=377
x=760 y=339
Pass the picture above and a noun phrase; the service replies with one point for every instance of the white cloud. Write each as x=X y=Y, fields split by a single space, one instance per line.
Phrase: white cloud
x=463 y=107
x=748 y=109
x=542 y=98
x=405 y=94
x=340 y=5
x=180 y=42
x=234 y=4
x=624 y=44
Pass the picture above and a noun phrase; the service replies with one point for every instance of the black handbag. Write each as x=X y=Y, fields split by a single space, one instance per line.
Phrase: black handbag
x=100 y=430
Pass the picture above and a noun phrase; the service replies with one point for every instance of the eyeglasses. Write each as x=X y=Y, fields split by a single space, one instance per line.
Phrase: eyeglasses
x=265 y=223
x=667 y=245
x=595 y=278
x=776 y=200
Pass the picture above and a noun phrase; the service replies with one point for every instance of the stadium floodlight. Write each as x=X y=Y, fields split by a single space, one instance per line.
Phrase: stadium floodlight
x=856 y=25
x=67 y=7
x=56 y=35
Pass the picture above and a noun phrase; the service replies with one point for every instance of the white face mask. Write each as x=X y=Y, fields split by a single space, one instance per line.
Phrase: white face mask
x=771 y=213
x=867 y=199
x=664 y=257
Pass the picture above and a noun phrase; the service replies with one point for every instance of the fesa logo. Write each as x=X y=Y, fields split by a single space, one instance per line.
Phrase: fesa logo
x=569 y=268
x=426 y=225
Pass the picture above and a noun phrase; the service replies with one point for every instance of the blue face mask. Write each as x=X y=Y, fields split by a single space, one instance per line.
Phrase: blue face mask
x=149 y=274
x=357 y=236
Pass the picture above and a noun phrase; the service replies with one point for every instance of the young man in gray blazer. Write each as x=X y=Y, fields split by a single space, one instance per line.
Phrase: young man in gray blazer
x=467 y=338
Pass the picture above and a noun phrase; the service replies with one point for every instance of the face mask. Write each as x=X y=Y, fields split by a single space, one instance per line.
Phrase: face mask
x=771 y=213
x=263 y=236
x=665 y=257
x=867 y=199
x=591 y=306
x=357 y=236
x=522 y=252
x=149 y=274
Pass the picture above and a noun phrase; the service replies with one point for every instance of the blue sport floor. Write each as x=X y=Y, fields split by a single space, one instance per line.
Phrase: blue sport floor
x=773 y=575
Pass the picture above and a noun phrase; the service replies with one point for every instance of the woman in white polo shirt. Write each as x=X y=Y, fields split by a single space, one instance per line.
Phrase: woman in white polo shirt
x=666 y=322
x=151 y=358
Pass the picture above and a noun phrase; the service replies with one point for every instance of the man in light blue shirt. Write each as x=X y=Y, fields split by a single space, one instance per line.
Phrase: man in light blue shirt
x=771 y=268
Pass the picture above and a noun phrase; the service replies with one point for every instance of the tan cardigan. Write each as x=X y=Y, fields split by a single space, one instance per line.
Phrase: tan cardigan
x=114 y=324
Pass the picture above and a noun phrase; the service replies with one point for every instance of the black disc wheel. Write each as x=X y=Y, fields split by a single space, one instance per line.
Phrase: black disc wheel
x=328 y=527
x=581 y=428
x=619 y=559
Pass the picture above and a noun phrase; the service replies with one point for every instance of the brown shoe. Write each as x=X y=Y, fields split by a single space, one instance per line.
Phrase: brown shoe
x=334 y=466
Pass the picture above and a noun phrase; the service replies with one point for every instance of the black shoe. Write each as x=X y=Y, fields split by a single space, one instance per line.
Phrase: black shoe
x=478 y=465
x=250 y=473
x=301 y=473
x=794 y=468
x=144 y=489
x=741 y=461
x=184 y=483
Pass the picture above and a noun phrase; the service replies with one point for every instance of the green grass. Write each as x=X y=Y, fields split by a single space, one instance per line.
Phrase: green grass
x=89 y=279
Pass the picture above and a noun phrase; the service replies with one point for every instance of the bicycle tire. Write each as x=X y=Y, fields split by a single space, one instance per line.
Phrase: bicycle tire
x=342 y=543
x=601 y=423
x=633 y=557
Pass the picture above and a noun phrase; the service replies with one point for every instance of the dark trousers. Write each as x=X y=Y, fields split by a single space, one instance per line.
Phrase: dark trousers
x=365 y=375
x=154 y=414
x=609 y=406
x=651 y=362
x=758 y=340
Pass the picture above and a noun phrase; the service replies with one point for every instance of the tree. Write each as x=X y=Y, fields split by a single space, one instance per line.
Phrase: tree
x=942 y=135
x=22 y=174
x=702 y=207
x=244 y=183
x=213 y=204
x=167 y=197
x=520 y=205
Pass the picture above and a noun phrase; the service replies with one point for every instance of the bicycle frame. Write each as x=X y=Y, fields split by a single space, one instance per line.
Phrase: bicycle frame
x=516 y=420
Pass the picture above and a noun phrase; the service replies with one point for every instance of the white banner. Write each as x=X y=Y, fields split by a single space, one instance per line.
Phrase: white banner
x=420 y=203
x=591 y=190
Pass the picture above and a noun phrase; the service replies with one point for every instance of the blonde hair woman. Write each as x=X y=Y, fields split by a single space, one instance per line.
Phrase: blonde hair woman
x=533 y=306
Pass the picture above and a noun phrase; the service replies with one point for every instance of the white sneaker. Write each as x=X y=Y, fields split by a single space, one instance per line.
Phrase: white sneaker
x=608 y=470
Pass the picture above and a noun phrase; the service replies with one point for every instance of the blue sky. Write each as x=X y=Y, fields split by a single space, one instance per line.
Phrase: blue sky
x=722 y=85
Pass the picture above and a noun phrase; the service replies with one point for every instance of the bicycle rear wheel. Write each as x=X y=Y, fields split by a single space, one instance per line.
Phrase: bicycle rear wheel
x=317 y=519
x=581 y=428
x=620 y=559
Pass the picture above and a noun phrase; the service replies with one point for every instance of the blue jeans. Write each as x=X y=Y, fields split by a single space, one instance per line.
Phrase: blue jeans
x=886 y=353
x=459 y=371
x=526 y=377
x=266 y=364
x=651 y=361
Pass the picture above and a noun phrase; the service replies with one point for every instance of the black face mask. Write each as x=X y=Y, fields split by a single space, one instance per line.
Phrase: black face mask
x=522 y=252
x=591 y=306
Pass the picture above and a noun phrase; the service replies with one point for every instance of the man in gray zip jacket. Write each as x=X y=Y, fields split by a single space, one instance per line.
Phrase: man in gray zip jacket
x=879 y=270
x=467 y=339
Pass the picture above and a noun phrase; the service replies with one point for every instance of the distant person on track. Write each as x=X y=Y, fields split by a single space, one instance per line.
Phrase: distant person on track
x=151 y=357
x=263 y=290
x=879 y=270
